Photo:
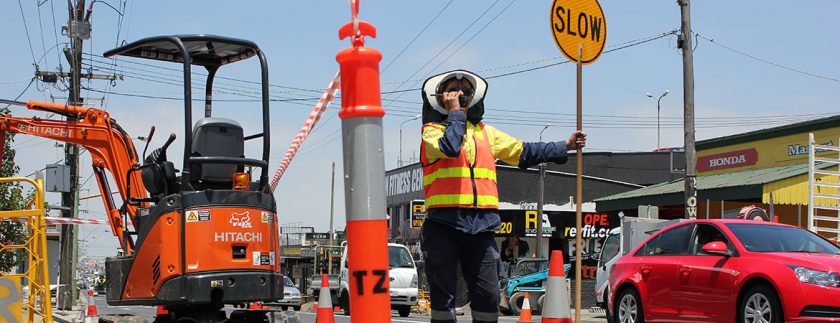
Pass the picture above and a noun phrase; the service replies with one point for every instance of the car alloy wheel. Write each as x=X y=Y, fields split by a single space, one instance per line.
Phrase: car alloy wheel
x=629 y=309
x=760 y=305
x=758 y=309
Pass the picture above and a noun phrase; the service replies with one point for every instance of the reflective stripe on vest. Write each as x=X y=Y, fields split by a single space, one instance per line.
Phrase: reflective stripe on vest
x=453 y=182
x=455 y=172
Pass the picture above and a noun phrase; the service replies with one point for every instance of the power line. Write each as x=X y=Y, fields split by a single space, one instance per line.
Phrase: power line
x=417 y=36
x=55 y=33
x=768 y=62
x=21 y=92
x=567 y=61
x=450 y=43
x=471 y=38
x=462 y=45
x=41 y=29
x=26 y=28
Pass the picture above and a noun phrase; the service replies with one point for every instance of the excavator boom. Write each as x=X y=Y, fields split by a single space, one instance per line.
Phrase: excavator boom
x=110 y=148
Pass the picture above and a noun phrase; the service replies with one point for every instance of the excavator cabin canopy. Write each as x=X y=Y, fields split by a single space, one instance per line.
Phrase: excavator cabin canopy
x=214 y=146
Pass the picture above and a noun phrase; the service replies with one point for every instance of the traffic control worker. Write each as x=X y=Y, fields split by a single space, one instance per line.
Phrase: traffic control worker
x=458 y=155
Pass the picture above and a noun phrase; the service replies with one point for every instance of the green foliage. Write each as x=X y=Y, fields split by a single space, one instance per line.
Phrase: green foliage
x=12 y=197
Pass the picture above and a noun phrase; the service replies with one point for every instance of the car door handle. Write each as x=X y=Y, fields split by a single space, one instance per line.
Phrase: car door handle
x=685 y=272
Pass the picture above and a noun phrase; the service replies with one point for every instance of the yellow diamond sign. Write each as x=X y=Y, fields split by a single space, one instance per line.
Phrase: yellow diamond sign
x=579 y=23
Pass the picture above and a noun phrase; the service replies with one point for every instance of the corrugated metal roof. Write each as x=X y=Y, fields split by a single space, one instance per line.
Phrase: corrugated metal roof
x=745 y=178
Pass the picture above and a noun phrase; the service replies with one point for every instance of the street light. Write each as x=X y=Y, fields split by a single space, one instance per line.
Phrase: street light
x=657 y=115
x=399 y=158
x=540 y=202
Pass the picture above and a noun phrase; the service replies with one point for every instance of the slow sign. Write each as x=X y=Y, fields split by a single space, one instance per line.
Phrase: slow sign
x=579 y=22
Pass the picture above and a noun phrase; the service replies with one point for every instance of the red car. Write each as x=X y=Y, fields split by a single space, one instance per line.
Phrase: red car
x=728 y=271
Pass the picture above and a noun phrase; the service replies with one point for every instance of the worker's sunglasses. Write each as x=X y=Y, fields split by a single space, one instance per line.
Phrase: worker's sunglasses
x=467 y=91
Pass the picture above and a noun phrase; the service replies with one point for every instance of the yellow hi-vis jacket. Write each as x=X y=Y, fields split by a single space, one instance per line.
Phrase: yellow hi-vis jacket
x=469 y=179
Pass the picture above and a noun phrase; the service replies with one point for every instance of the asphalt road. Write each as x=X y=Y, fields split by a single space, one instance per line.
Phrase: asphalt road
x=309 y=317
x=305 y=317
x=103 y=308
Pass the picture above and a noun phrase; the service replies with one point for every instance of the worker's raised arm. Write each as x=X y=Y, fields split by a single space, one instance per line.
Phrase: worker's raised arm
x=514 y=152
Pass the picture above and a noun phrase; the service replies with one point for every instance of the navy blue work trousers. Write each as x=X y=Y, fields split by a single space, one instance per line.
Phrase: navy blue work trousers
x=443 y=247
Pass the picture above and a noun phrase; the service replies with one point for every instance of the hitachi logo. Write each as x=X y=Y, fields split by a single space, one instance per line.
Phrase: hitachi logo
x=238 y=237
x=724 y=161
x=52 y=131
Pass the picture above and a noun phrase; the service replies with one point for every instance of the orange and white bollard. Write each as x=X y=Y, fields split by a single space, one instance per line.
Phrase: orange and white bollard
x=325 y=310
x=525 y=314
x=556 y=304
x=364 y=168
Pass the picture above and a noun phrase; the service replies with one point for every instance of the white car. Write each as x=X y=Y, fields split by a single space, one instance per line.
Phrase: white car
x=291 y=295
x=403 y=280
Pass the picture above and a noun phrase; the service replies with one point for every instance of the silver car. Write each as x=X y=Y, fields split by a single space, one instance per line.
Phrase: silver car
x=291 y=295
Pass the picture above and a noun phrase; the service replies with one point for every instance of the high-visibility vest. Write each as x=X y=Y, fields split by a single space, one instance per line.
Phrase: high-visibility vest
x=454 y=182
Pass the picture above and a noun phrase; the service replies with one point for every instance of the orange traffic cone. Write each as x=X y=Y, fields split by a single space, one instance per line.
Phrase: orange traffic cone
x=91 y=308
x=556 y=304
x=525 y=314
x=325 y=309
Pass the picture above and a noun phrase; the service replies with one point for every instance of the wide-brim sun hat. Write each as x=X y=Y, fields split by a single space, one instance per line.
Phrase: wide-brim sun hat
x=433 y=111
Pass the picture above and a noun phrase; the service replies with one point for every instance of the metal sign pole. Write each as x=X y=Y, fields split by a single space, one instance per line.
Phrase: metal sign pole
x=579 y=193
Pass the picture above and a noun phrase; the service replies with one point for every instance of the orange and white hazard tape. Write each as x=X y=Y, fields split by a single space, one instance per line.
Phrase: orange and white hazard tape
x=320 y=107
x=50 y=220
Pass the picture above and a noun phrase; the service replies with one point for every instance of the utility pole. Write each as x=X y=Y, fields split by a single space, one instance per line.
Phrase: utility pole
x=688 y=111
x=332 y=233
x=77 y=30
x=540 y=203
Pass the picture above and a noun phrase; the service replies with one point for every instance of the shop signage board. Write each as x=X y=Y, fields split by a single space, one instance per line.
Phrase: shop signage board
x=556 y=225
x=418 y=213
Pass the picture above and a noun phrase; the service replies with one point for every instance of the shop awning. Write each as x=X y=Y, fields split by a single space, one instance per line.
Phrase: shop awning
x=789 y=185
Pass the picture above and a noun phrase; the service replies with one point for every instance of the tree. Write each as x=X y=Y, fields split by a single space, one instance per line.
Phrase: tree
x=12 y=197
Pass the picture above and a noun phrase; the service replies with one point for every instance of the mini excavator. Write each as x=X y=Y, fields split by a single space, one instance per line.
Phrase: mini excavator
x=196 y=239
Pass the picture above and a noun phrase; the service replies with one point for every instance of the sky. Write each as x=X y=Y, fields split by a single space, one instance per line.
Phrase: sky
x=757 y=64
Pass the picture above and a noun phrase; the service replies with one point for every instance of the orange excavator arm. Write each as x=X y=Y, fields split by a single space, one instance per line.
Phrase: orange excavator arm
x=110 y=148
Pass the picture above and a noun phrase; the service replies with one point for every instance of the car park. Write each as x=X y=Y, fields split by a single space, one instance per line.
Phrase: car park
x=725 y=271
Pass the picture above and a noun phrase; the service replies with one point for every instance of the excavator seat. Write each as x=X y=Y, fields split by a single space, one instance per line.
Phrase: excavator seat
x=216 y=137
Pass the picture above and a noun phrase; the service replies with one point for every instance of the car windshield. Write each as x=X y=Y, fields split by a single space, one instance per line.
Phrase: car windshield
x=398 y=257
x=775 y=238
x=529 y=266
x=288 y=282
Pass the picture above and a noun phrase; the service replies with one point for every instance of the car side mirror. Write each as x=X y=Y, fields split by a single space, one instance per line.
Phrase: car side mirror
x=717 y=248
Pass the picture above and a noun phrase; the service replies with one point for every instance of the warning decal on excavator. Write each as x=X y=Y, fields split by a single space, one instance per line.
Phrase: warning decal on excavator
x=255 y=258
x=267 y=217
x=192 y=216
x=203 y=215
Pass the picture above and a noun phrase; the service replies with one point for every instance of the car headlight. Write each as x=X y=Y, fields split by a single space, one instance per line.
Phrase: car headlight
x=816 y=277
x=414 y=281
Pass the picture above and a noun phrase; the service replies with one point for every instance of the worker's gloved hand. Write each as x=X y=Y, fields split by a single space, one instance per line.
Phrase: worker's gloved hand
x=576 y=141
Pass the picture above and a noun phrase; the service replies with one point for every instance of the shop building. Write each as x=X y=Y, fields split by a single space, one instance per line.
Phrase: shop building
x=762 y=168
